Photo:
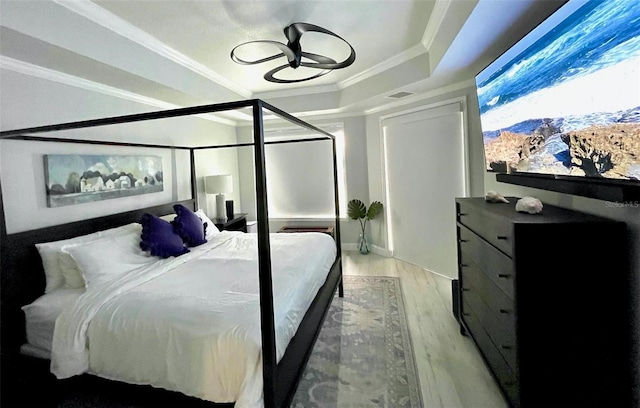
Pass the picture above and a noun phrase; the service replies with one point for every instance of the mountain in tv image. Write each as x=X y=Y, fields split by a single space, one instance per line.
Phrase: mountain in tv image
x=570 y=102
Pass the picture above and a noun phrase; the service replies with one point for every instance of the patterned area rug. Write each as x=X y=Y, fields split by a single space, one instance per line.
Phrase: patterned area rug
x=363 y=356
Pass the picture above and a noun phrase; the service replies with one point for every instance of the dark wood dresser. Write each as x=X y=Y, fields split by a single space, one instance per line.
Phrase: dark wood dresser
x=544 y=298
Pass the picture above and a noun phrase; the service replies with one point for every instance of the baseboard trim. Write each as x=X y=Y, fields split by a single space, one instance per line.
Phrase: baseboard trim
x=374 y=248
x=349 y=247
x=381 y=251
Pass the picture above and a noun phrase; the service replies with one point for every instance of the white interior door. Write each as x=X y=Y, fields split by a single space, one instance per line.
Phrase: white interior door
x=425 y=169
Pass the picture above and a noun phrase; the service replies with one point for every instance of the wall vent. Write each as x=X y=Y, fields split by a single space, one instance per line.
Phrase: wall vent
x=401 y=94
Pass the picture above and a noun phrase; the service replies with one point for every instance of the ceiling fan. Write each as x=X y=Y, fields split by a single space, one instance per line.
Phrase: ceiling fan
x=294 y=54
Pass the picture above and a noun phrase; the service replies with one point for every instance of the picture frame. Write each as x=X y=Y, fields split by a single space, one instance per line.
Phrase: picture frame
x=75 y=179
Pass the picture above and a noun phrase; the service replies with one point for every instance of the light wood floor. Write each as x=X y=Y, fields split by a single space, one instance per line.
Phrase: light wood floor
x=452 y=373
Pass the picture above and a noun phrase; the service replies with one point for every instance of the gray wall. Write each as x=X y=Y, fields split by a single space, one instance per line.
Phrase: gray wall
x=218 y=161
x=24 y=192
x=356 y=171
x=375 y=155
x=481 y=181
x=29 y=101
x=355 y=174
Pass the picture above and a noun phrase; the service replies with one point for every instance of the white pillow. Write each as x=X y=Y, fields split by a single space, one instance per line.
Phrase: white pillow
x=52 y=272
x=42 y=313
x=106 y=259
x=72 y=276
x=211 y=227
x=59 y=269
x=168 y=217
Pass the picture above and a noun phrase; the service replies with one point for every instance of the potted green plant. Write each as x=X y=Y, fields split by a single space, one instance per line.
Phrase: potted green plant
x=358 y=211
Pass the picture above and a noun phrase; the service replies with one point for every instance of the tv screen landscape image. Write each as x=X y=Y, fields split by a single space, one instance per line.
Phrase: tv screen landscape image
x=565 y=99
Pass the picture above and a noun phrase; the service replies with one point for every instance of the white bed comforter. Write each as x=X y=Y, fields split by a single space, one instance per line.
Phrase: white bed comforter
x=191 y=324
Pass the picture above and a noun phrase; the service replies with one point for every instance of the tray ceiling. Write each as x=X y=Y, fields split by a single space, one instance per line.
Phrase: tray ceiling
x=177 y=52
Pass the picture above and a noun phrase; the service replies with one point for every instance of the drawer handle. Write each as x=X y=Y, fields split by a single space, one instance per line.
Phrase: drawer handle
x=505 y=311
x=464 y=265
x=463 y=240
x=503 y=275
x=502 y=237
x=461 y=214
x=506 y=347
x=465 y=289
x=466 y=314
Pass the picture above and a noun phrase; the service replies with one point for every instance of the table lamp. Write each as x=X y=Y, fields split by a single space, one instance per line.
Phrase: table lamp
x=219 y=184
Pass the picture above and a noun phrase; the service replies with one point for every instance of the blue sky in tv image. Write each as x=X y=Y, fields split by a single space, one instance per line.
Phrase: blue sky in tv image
x=581 y=67
x=599 y=35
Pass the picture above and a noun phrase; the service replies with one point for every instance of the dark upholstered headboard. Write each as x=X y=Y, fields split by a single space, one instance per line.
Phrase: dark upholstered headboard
x=22 y=278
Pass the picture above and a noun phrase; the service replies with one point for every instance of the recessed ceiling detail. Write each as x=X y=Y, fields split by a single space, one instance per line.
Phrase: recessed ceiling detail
x=294 y=54
x=401 y=94
x=177 y=51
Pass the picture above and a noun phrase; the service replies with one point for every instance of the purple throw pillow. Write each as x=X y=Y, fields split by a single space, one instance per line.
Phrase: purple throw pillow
x=159 y=238
x=189 y=226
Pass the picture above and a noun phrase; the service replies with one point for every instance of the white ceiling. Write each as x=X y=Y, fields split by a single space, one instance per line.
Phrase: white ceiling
x=206 y=31
x=176 y=52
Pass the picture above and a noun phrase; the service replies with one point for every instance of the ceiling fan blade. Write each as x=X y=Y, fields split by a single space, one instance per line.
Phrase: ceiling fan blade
x=297 y=29
x=293 y=51
x=269 y=76
x=285 y=52
x=321 y=59
x=294 y=32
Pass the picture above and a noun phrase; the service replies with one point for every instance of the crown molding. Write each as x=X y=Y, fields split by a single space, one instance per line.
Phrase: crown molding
x=435 y=21
x=325 y=113
x=287 y=93
x=110 y=21
x=421 y=96
x=37 y=71
x=328 y=114
x=341 y=113
x=394 y=61
x=25 y=68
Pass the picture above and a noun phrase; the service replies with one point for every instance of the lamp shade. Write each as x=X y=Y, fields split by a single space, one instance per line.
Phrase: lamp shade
x=222 y=183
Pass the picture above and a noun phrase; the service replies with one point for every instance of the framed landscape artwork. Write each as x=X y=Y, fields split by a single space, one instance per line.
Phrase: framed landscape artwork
x=74 y=179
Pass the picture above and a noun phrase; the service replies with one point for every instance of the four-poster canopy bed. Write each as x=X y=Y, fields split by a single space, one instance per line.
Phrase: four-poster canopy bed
x=23 y=278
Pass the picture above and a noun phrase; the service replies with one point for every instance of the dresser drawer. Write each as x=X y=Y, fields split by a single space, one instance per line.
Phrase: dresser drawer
x=505 y=376
x=502 y=336
x=492 y=296
x=497 y=230
x=526 y=311
x=493 y=263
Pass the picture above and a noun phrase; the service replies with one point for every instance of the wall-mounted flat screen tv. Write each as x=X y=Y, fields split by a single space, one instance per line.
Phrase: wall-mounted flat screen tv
x=565 y=100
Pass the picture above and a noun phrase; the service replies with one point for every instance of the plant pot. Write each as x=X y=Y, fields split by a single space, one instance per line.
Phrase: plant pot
x=363 y=245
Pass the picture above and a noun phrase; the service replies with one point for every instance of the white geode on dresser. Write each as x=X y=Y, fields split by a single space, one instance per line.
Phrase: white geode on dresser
x=529 y=205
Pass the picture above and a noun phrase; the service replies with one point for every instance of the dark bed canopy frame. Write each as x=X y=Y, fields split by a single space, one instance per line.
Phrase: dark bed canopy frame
x=22 y=277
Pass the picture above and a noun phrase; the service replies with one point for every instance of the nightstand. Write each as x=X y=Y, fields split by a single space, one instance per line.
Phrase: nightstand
x=237 y=223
